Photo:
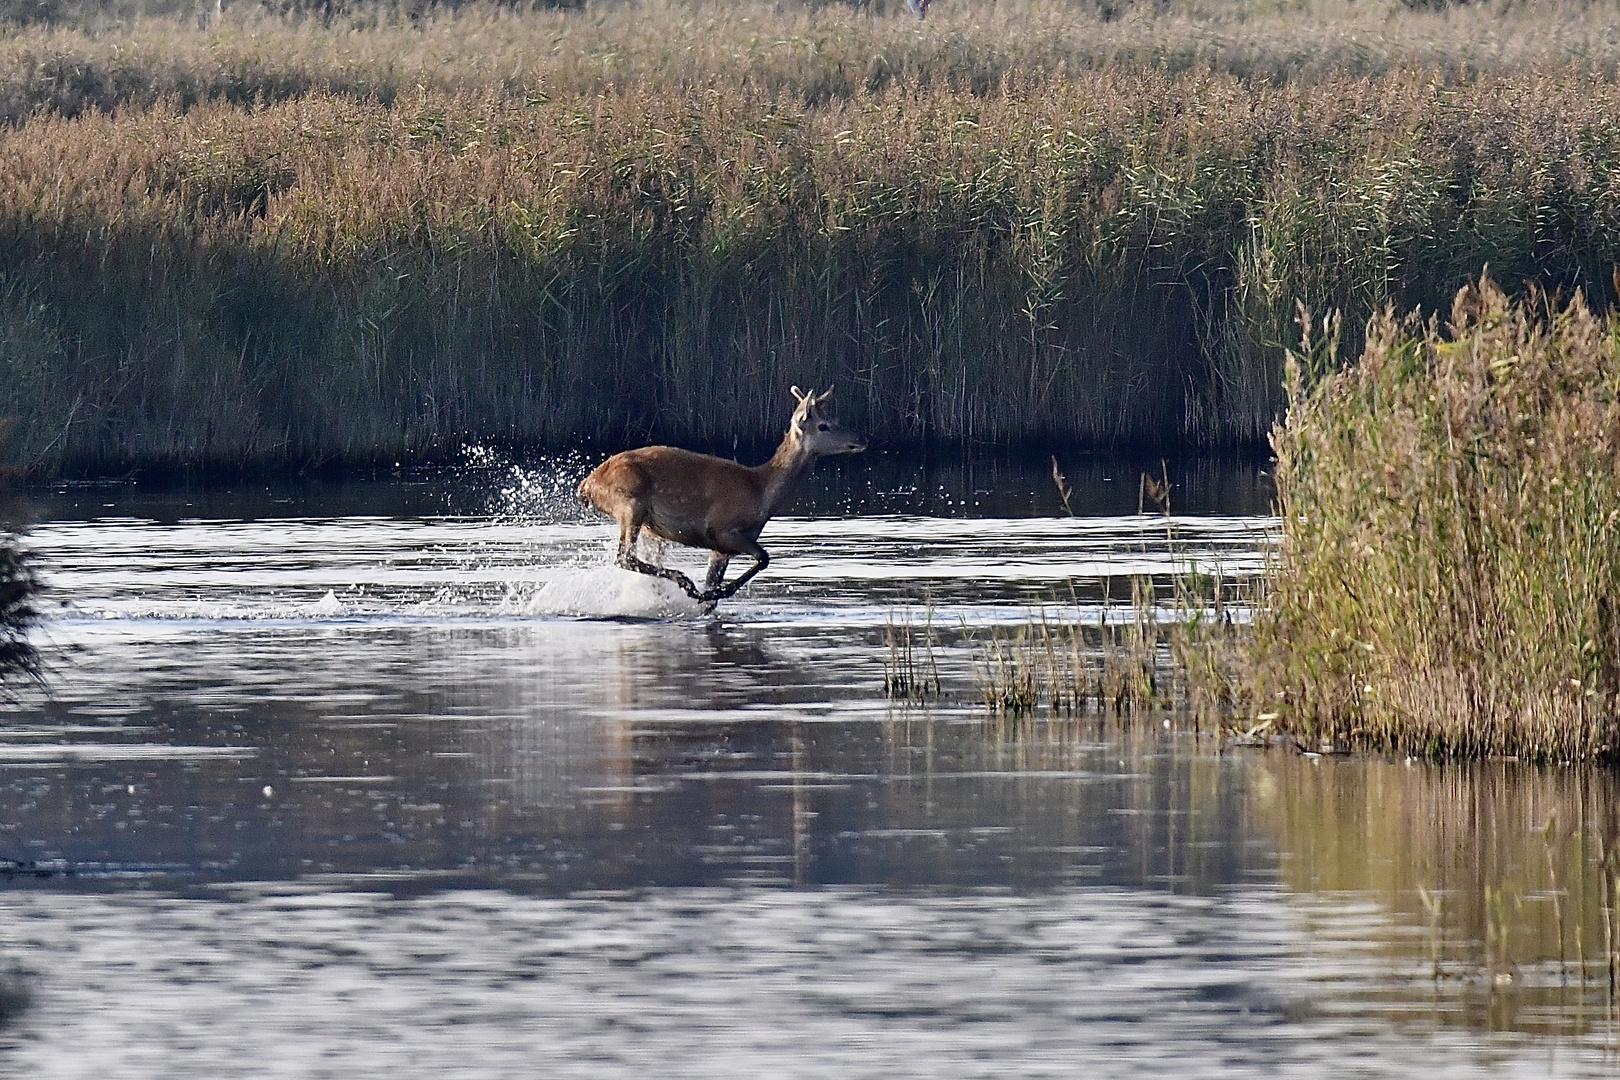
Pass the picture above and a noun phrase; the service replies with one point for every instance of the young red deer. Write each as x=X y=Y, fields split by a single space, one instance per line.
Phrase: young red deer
x=709 y=502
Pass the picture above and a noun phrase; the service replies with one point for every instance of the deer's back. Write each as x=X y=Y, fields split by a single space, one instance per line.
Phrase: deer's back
x=685 y=497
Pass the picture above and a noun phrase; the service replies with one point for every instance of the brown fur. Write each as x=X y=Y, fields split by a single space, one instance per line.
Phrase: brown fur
x=708 y=502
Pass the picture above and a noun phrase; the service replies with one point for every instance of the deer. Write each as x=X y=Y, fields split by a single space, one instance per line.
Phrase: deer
x=703 y=501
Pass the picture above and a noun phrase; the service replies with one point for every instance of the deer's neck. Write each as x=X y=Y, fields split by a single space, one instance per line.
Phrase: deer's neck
x=783 y=472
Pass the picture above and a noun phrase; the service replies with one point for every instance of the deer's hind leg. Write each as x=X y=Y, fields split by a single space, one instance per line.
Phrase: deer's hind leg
x=629 y=527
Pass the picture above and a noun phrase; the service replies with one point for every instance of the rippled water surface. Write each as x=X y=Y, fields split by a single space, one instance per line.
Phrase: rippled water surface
x=323 y=787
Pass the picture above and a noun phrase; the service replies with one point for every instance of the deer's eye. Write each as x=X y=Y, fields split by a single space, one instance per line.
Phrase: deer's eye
x=823 y=427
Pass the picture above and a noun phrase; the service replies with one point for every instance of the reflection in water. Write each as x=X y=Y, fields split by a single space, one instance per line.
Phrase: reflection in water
x=416 y=828
x=1494 y=881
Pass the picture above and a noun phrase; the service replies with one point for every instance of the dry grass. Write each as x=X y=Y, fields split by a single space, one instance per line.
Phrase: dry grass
x=1450 y=565
x=1063 y=666
x=106 y=56
x=294 y=241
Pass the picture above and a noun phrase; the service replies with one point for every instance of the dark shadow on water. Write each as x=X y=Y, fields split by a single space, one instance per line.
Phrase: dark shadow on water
x=872 y=483
x=19 y=597
x=15 y=996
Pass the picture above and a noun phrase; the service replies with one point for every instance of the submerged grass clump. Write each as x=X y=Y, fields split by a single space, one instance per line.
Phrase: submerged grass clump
x=17 y=613
x=1449 y=573
x=1066 y=666
x=911 y=672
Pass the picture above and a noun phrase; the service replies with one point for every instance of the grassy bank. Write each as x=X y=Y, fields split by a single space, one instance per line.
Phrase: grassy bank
x=296 y=242
x=1446 y=579
x=1450 y=563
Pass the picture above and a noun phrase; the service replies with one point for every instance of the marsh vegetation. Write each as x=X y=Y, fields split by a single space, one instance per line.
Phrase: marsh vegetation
x=1450 y=566
x=370 y=236
x=1446 y=570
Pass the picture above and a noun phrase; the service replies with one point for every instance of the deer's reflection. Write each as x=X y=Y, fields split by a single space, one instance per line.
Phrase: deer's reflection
x=604 y=696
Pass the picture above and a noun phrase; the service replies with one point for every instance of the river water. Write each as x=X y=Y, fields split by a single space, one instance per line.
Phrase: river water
x=348 y=780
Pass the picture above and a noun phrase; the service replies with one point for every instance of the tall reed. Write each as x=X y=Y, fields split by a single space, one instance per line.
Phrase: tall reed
x=1106 y=260
x=1449 y=572
x=365 y=242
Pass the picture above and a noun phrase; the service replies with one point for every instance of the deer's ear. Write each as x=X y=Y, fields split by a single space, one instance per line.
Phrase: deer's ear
x=798 y=395
x=825 y=396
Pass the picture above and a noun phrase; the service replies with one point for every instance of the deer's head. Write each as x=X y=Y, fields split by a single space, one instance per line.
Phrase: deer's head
x=817 y=431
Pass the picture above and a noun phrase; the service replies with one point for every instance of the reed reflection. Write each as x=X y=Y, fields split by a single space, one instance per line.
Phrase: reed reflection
x=1499 y=880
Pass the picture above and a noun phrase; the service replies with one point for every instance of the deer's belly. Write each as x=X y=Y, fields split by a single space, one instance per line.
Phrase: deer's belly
x=703 y=535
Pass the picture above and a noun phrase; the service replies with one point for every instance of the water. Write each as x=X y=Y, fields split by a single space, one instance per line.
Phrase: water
x=318 y=790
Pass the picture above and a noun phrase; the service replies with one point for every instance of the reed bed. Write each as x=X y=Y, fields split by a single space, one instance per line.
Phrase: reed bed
x=1110 y=260
x=71 y=57
x=1450 y=565
x=357 y=242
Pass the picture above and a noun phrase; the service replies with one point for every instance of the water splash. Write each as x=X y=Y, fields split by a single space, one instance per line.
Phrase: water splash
x=542 y=490
x=612 y=592
x=545 y=492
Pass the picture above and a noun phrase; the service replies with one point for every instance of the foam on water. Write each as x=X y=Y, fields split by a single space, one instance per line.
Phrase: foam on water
x=612 y=592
